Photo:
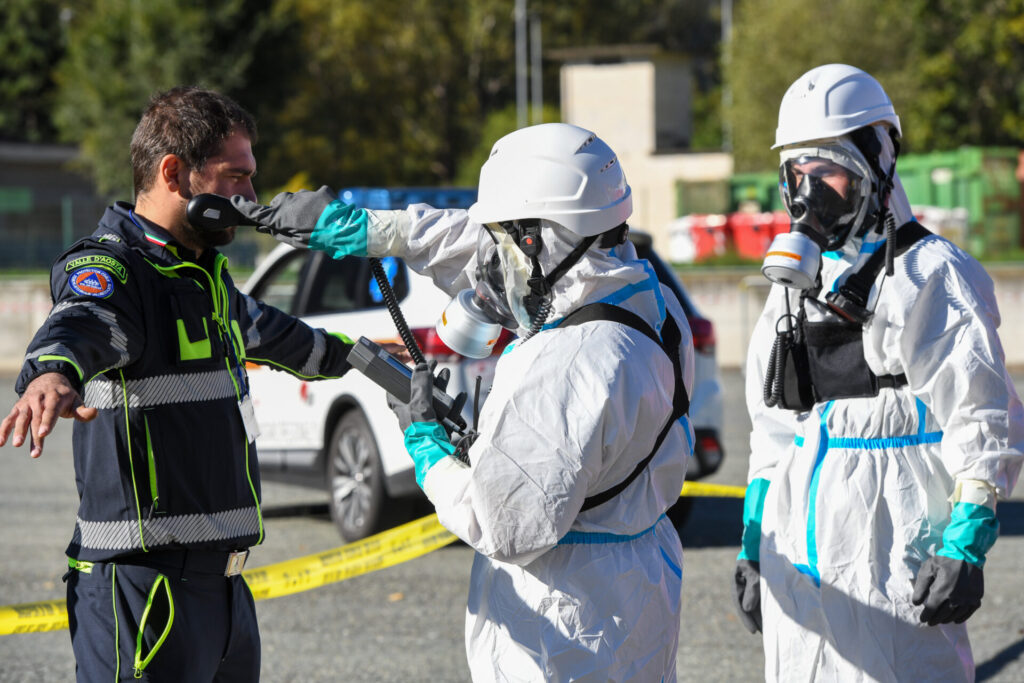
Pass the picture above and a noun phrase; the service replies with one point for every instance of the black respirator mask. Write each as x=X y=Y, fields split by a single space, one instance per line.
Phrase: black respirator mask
x=817 y=210
x=821 y=217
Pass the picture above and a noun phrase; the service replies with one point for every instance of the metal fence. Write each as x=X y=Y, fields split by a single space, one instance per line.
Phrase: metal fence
x=36 y=230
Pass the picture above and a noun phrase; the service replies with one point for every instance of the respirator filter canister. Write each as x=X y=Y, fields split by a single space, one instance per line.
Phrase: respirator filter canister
x=793 y=260
x=466 y=328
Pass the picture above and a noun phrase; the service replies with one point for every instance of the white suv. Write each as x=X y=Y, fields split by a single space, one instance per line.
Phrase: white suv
x=340 y=435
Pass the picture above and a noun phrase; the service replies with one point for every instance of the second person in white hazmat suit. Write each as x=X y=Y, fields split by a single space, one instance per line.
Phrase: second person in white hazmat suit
x=885 y=425
x=563 y=586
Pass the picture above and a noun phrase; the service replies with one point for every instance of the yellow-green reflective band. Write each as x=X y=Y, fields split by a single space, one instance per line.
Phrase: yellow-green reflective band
x=343 y=337
x=236 y=331
x=151 y=459
x=80 y=565
x=65 y=359
x=191 y=350
x=140 y=664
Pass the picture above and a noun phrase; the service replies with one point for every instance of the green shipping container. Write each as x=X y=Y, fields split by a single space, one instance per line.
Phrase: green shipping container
x=702 y=197
x=981 y=180
x=760 y=188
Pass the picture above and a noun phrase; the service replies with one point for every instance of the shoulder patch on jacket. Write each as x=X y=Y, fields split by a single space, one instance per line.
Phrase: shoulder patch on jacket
x=94 y=282
x=107 y=263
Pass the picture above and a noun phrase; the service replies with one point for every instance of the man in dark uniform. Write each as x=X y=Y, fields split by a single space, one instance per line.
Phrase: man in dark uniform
x=145 y=348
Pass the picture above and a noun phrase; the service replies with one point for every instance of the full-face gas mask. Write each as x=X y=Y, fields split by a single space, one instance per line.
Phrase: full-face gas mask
x=511 y=290
x=827 y=191
x=474 y=318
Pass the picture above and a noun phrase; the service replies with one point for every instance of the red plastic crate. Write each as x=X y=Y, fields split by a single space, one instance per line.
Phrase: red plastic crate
x=752 y=234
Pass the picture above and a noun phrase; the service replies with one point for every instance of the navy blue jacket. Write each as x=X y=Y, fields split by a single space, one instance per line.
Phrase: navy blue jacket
x=158 y=342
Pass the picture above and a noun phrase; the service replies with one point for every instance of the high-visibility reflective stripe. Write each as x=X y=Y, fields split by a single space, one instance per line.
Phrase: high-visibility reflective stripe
x=252 y=334
x=118 y=339
x=124 y=534
x=316 y=354
x=162 y=390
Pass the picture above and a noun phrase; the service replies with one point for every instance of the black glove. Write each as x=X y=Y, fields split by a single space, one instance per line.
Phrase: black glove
x=747 y=591
x=949 y=589
x=420 y=407
x=291 y=217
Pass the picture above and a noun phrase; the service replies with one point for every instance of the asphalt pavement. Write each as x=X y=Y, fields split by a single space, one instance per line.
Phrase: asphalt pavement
x=405 y=623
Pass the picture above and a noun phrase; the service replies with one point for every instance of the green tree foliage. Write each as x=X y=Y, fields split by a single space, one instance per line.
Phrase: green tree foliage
x=416 y=91
x=951 y=67
x=497 y=124
x=970 y=64
x=345 y=91
x=390 y=92
x=31 y=43
x=122 y=51
x=774 y=41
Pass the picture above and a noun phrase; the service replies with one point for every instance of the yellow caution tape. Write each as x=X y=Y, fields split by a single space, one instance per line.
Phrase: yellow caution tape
x=696 y=488
x=391 y=547
x=388 y=548
x=31 y=617
x=385 y=549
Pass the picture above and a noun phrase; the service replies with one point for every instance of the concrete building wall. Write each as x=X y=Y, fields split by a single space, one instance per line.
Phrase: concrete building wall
x=641 y=107
x=616 y=101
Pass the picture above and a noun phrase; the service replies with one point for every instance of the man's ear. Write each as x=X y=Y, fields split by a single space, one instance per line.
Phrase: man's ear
x=172 y=173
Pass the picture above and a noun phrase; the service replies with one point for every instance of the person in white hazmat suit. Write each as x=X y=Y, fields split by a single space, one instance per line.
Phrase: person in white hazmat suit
x=884 y=423
x=566 y=585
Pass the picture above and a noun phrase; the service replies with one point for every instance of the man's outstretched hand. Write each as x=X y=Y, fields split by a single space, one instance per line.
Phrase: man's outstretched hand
x=47 y=397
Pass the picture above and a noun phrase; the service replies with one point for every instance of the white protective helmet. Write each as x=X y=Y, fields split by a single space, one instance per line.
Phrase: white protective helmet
x=553 y=171
x=829 y=101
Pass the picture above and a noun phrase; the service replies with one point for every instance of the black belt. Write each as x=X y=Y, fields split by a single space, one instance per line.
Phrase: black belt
x=217 y=562
x=892 y=381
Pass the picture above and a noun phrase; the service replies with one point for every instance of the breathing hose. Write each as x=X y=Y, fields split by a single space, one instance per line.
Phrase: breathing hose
x=391 y=302
x=775 y=373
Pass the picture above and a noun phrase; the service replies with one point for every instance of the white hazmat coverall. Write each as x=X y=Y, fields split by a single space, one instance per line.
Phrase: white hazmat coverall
x=859 y=489
x=558 y=594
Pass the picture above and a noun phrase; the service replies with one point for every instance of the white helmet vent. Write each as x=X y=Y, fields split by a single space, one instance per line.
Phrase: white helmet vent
x=586 y=143
x=608 y=165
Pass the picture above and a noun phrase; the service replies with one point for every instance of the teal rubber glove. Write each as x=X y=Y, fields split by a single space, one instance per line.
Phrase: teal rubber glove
x=747 y=577
x=314 y=220
x=753 y=508
x=950 y=585
x=971 y=533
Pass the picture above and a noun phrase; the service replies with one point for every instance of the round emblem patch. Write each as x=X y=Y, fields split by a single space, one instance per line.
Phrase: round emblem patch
x=91 y=282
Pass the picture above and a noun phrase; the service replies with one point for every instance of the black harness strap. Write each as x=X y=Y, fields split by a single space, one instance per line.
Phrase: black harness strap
x=858 y=285
x=669 y=343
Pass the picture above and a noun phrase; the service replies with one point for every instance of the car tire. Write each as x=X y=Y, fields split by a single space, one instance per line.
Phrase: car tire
x=358 y=500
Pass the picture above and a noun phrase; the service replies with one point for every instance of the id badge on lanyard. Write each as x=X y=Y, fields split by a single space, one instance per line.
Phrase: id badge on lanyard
x=248 y=413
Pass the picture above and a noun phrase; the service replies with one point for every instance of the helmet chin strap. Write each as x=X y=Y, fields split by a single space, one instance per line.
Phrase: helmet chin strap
x=538 y=301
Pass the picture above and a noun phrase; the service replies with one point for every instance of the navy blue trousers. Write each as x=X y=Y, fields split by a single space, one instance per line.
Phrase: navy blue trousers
x=131 y=623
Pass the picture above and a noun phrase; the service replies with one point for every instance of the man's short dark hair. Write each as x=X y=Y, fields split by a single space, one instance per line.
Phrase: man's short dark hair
x=189 y=122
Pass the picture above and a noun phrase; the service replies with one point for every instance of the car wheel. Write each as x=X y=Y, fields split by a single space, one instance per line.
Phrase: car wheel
x=355 y=478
